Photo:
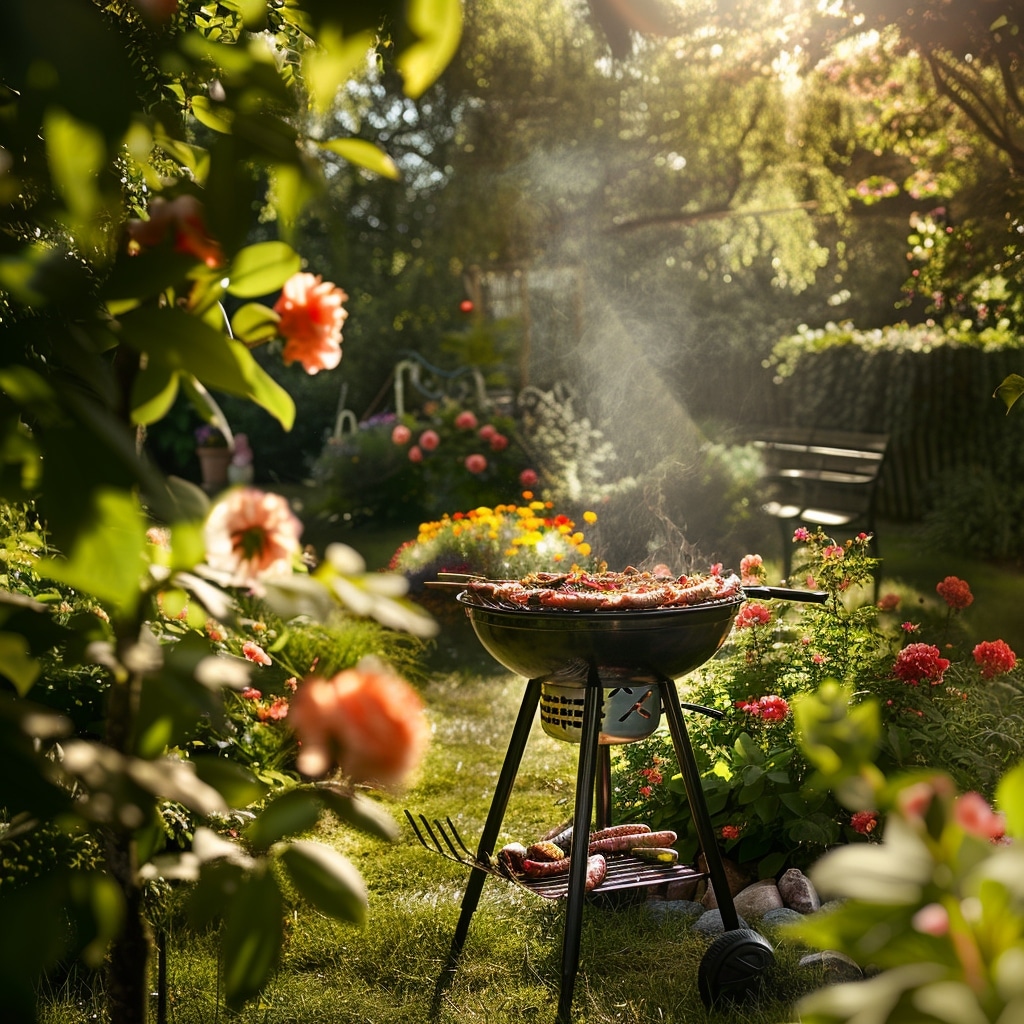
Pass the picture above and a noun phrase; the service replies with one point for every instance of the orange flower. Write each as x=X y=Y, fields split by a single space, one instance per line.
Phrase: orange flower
x=367 y=720
x=312 y=316
x=255 y=653
x=250 y=533
x=184 y=217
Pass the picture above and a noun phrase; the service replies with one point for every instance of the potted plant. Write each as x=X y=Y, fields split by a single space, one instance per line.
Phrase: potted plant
x=214 y=457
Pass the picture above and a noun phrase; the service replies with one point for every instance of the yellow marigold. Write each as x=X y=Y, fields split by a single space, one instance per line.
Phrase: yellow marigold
x=565 y=528
x=583 y=549
x=590 y=517
x=537 y=505
x=577 y=538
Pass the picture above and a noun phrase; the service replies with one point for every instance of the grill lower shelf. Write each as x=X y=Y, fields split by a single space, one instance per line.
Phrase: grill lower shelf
x=623 y=873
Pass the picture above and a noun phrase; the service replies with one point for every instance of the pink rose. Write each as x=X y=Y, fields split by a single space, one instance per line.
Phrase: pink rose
x=528 y=478
x=465 y=420
x=499 y=442
x=487 y=431
x=429 y=440
x=975 y=816
x=476 y=463
x=401 y=434
x=415 y=453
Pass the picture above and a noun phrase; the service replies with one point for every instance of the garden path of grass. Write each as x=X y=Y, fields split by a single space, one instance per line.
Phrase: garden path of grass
x=634 y=968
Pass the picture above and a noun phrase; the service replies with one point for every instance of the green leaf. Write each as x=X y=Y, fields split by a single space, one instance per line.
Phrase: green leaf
x=327 y=880
x=254 y=323
x=153 y=393
x=217 y=118
x=16 y=662
x=363 y=154
x=99 y=901
x=76 y=154
x=359 y=812
x=106 y=560
x=1010 y=800
x=1010 y=390
x=235 y=783
x=261 y=269
x=185 y=344
x=253 y=931
x=298 y=810
x=438 y=23
x=325 y=68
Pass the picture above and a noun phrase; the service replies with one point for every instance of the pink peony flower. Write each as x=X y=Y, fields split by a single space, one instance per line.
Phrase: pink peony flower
x=528 y=478
x=415 y=453
x=465 y=420
x=955 y=592
x=753 y=614
x=250 y=533
x=311 y=317
x=931 y=919
x=920 y=663
x=401 y=434
x=974 y=815
x=864 y=822
x=476 y=463
x=429 y=440
x=499 y=442
x=255 y=653
x=368 y=721
x=487 y=431
x=994 y=657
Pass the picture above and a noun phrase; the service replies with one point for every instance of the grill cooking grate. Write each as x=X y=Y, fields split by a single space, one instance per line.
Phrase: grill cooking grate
x=623 y=872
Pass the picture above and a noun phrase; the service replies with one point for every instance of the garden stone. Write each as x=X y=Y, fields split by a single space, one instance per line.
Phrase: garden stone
x=781 y=915
x=757 y=899
x=735 y=875
x=675 y=910
x=710 y=923
x=836 y=967
x=798 y=893
x=684 y=890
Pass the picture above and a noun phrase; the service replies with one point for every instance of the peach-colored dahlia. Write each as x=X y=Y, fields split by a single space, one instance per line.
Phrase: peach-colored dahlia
x=251 y=533
x=312 y=316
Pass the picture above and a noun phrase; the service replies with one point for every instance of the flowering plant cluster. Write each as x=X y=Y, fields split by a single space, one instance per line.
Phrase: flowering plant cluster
x=503 y=542
x=943 y=884
x=399 y=469
x=941 y=698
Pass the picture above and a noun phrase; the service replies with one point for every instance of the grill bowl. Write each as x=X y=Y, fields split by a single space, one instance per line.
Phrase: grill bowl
x=559 y=645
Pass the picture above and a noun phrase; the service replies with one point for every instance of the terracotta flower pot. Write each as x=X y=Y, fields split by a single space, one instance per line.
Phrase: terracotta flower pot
x=213 y=465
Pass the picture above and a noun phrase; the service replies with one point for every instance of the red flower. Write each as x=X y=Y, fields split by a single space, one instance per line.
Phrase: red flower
x=476 y=463
x=277 y=710
x=415 y=453
x=801 y=533
x=955 y=592
x=528 y=478
x=863 y=822
x=251 y=693
x=920 y=663
x=401 y=434
x=368 y=720
x=994 y=657
x=771 y=707
x=429 y=440
x=753 y=614
x=487 y=431
x=499 y=442
x=889 y=602
x=645 y=791
x=465 y=420
x=730 y=832
x=751 y=568
x=311 y=317
x=184 y=217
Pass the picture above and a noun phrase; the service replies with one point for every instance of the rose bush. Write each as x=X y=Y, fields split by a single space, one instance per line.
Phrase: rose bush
x=944 y=704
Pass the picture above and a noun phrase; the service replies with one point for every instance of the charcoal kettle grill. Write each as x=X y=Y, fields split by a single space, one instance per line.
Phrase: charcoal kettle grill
x=596 y=655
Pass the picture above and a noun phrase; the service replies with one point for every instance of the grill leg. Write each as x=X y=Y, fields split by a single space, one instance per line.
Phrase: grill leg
x=603 y=811
x=495 y=816
x=698 y=807
x=586 y=774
